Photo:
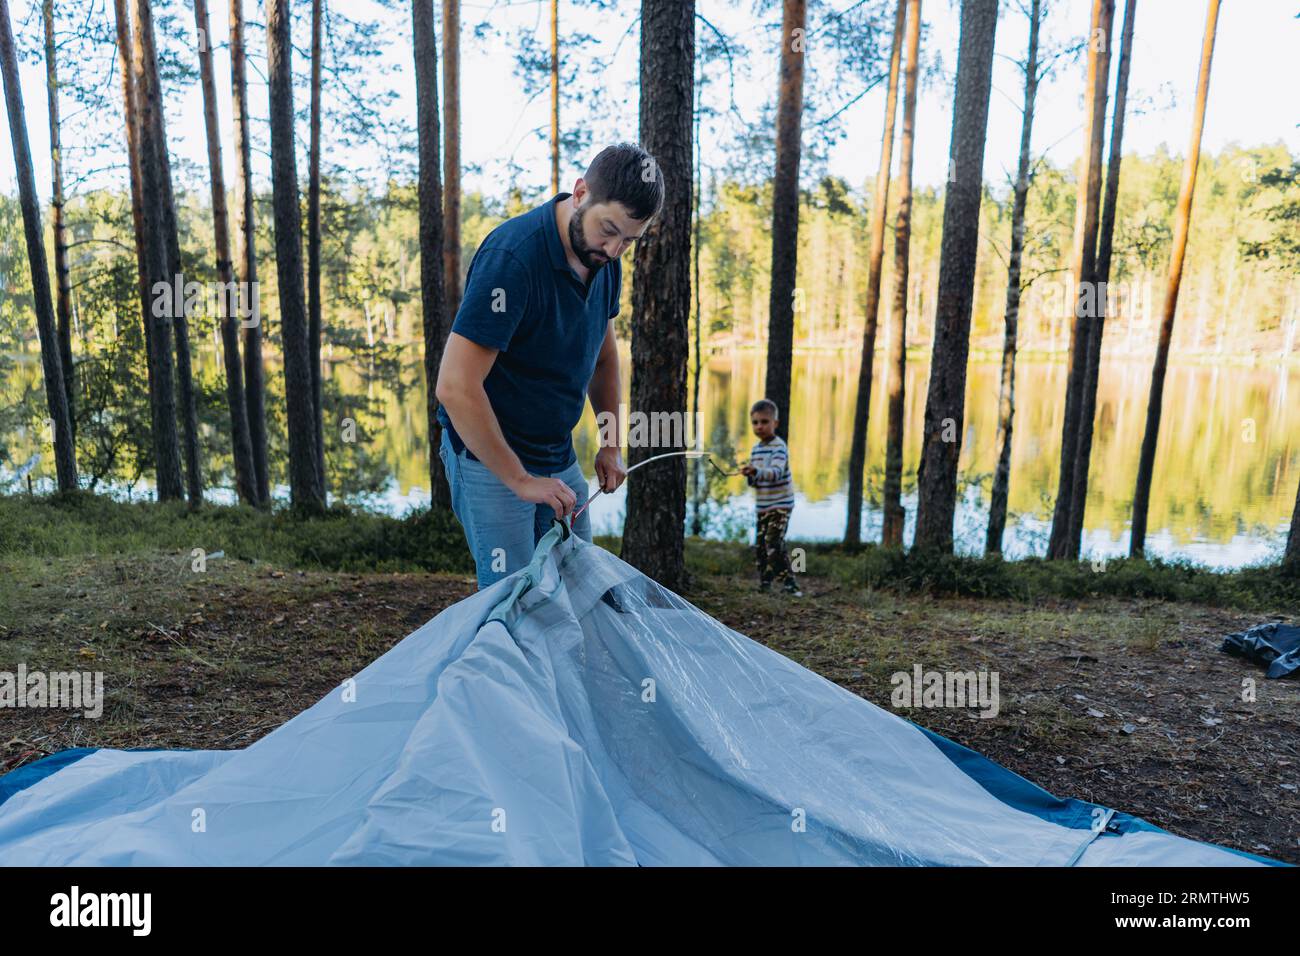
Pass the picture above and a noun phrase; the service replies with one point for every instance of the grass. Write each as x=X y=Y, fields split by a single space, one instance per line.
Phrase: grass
x=351 y=540
x=1268 y=588
x=74 y=524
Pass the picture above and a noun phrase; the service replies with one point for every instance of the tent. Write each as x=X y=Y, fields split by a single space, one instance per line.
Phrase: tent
x=573 y=713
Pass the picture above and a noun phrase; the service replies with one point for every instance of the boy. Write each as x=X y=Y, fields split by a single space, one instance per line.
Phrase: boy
x=768 y=471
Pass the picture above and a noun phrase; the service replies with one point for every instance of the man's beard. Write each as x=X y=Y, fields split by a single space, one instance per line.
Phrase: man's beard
x=588 y=256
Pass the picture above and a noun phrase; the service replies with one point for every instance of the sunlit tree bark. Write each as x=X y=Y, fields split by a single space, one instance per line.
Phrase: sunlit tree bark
x=945 y=404
x=555 y=96
x=653 y=536
x=1087 y=209
x=785 y=212
x=451 y=153
x=62 y=273
x=246 y=256
x=56 y=397
x=1182 y=226
x=1007 y=387
x=122 y=22
x=154 y=153
x=241 y=445
x=437 y=324
x=313 y=245
x=1105 y=245
x=304 y=482
x=876 y=257
x=894 y=516
x=162 y=267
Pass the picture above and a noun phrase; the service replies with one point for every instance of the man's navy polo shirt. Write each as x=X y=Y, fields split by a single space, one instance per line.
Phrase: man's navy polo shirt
x=524 y=299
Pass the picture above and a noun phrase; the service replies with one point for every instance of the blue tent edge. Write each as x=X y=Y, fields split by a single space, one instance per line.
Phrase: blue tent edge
x=1026 y=796
x=1003 y=784
x=33 y=773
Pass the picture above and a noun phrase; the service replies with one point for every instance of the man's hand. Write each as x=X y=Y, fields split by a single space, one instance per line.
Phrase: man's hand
x=546 y=491
x=748 y=469
x=610 y=471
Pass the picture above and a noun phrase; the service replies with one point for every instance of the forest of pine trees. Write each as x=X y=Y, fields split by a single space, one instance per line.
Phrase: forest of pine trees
x=187 y=336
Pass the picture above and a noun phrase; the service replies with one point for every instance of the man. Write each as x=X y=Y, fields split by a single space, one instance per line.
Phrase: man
x=533 y=336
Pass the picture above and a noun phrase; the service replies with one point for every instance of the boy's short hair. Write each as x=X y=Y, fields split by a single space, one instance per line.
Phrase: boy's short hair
x=625 y=173
x=766 y=405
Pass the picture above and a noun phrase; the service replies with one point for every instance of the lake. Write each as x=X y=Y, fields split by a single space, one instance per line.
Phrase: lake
x=1226 y=471
x=1227 y=463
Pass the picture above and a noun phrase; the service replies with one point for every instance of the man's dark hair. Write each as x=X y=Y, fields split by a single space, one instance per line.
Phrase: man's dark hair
x=625 y=173
x=766 y=405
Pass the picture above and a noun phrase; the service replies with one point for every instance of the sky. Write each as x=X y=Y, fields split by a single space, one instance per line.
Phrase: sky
x=1253 y=98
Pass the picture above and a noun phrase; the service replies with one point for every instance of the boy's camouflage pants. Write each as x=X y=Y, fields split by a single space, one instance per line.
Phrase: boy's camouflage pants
x=770 y=546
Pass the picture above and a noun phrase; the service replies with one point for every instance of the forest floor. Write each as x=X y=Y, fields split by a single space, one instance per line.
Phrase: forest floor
x=1123 y=702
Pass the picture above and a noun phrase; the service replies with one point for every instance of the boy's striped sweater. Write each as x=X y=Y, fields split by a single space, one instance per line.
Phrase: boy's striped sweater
x=773 y=485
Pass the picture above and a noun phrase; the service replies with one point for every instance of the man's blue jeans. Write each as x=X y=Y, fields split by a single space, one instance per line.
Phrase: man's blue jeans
x=502 y=529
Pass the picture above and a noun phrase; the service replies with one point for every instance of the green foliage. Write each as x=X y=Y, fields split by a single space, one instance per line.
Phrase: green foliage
x=1243 y=213
x=1233 y=294
x=1033 y=579
x=112 y=408
x=16 y=303
x=341 y=539
x=1280 y=194
x=39 y=527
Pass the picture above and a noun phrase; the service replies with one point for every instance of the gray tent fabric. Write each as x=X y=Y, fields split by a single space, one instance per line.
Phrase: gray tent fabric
x=574 y=713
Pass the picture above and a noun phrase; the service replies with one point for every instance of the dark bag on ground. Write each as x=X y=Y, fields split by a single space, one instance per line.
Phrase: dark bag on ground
x=1276 y=646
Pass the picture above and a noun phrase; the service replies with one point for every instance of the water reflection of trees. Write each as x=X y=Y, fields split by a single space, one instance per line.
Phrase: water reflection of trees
x=1225 y=467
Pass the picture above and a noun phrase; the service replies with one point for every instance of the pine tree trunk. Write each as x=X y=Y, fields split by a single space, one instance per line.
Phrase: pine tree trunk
x=1007 y=388
x=699 y=486
x=555 y=96
x=161 y=278
x=894 y=516
x=175 y=274
x=437 y=325
x=250 y=312
x=304 y=483
x=56 y=396
x=241 y=445
x=945 y=405
x=661 y=290
x=131 y=122
x=785 y=213
x=451 y=155
x=879 y=208
x=1182 y=225
x=1087 y=207
x=1291 y=557
x=155 y=138
x=1105 y=245
x=313 y=246
x=62 y=273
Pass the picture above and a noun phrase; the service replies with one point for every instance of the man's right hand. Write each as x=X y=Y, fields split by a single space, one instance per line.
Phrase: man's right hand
x=547 y=491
